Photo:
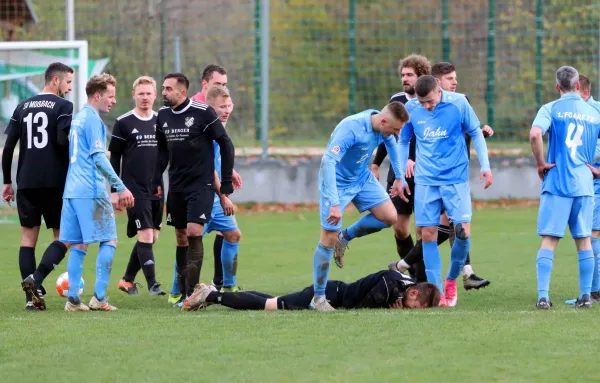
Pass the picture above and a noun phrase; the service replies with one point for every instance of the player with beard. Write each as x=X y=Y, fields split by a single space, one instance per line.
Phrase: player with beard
x=134 y=150
x=384 y=289
x=185 y=132
x=42 y=124
x=212 y=75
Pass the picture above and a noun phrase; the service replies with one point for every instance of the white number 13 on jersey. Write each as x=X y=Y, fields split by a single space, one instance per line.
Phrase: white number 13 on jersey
x=575 y=142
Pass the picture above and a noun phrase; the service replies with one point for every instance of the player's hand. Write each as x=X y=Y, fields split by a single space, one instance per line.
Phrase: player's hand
x=159 y=192
x=375 y=171
x=227 y=206
x=335 y=215
x=595 y=172
x=114 y=199
x=410 y=169
x=396 y=305
x=488 y=178
x=400 y=190
x=543 y=169
x=8 y=193
x=237 y=180
x=487 y=131
x=126 y=199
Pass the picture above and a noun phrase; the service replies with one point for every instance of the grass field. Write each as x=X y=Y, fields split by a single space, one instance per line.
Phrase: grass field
x=493 y=335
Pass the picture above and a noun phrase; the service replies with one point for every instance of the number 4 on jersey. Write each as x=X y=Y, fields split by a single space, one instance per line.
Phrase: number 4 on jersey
x=575 y=142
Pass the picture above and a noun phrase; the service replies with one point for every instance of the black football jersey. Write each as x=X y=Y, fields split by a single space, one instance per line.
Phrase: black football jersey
x=382 y=150
x=135 y=138
x=36 y=122
x=377 y=290
x=187 y=133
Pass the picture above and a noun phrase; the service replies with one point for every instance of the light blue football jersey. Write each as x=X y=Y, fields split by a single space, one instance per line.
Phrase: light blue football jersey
x=87 y=136
x=573 y=127
x=442 y=157
x=351 y=145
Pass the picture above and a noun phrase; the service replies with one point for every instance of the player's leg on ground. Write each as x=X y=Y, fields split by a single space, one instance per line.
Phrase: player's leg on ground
x=126 y=284
x=75 y=271
x=428 y=207
x=321 y=261
x=104 y=260
x=51 y=258
x=146 y=259
x=181 y=259
x=229 y=257
x=29 y=237
x=544 y=263
x=218 y=264
x=596 y=276
x=195 y=255
x=585 y=255
x=431 y=256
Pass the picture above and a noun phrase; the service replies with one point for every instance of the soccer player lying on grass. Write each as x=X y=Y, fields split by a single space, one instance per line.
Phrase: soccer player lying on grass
x=383 y=289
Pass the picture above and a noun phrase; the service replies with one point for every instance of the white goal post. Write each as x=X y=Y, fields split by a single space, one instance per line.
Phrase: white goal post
x=82 y=60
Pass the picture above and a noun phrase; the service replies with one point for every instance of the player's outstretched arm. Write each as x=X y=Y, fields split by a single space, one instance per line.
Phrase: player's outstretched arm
x=13 y=132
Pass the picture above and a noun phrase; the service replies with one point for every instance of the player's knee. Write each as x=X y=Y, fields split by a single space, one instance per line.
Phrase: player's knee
x=194 y=230
x=146 y=236
x=233 y=236
x=429 y=233
x=328 y=238
x=81 y=247
x=390 y=219
x=155 y=236
x=113 y=243
x=181 y=237
x=271 y=304
x=29 y=236
x=462 y=231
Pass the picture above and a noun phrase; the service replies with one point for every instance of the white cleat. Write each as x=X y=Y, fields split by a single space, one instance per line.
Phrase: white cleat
x=95 y=304
x=319 y=303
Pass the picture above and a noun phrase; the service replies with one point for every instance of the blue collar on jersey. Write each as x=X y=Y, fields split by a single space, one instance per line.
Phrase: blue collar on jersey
x=368 y=119
x=571 y=95
x=91 y=108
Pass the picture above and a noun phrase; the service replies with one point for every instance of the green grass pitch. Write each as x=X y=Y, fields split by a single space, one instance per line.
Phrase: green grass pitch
x=493 y=335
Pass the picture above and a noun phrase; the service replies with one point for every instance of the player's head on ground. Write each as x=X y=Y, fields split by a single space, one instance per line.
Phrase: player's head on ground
x=174 y=89
x=420 y=296
x=391 y=119
x=101 y=92
x=567 y=79
x=144 y=92
x=212 y=75
x=585 y=87
x=58 y=79
x=428 y=92
x=219 y=98
x=410 y=68
x=445 y=73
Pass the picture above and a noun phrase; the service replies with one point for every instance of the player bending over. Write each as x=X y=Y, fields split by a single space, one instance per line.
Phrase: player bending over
x=87 y=214
x=344 y=177
x=383 y=289
x=567 y=183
